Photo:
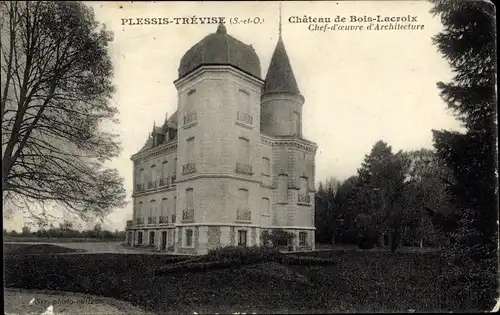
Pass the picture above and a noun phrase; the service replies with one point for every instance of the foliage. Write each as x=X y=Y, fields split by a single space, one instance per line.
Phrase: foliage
x=63 y=232
x=468 y=44
x=56 y=86
x=277 y=237
x=380 y=189
x=236 y=256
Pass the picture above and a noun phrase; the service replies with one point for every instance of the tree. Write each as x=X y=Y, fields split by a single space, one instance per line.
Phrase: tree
x=468 y=44
x=56 y=86
x=66 y=226
x=324 y=213
x=25 y=230
x=345 y=214
x=425 y=190
x=379 y=194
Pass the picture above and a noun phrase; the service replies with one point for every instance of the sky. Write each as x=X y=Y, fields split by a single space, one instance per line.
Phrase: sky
x=359 y=86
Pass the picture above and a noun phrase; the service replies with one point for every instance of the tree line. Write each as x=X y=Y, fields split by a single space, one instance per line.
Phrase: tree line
x=65 y=230
x=395 y=199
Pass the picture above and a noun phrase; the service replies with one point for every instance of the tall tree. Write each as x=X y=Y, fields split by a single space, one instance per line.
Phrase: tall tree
x=324 y=213
x=426 y=197
x=56 y=89
x=345 y=214
x=468 y=43
x=380 y=191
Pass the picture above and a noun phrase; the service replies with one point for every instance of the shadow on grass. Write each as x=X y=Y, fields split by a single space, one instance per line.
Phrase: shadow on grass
x=356 y=282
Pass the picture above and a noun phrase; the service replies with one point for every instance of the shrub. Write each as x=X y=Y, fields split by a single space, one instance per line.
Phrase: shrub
x=196 y=265
x=242 y=255
x=235 y=256
x=304 y=261
x=277 y=237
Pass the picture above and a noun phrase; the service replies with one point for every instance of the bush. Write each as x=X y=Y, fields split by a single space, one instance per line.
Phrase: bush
x=277 y=237
x=196 y=265
x=242 y=253
x=236 y=256
x=304 y=261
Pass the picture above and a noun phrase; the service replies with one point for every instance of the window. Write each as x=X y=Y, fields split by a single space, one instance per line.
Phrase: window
x=266 y=206
x=141 y=176
x=266 y=166
x=244 y=150
x=243 y=100
x=190 y=149
x=189 y=237
x=164 y=169
x=164 y=207
x=151 y=238
x=283 y=188
x=242 y=238
x=302 y=239
x=152 y=210
x=303 y=185
x=242 y=198
x=139 y=238
x=295 y=123
x=189 y=199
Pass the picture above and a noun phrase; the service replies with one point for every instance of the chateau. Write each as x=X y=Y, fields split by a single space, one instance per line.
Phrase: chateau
x=231 y=162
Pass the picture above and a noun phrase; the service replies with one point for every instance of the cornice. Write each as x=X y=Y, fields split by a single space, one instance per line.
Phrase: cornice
x=155 y=151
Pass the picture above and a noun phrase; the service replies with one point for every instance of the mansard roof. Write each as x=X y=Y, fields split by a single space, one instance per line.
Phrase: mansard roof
x=280 y=77
x=170 y=124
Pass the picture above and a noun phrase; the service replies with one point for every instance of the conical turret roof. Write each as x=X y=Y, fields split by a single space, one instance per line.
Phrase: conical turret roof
x=280 y=77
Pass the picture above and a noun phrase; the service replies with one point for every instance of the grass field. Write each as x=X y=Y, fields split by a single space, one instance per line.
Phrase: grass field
x=371 y=281
x=35 y=239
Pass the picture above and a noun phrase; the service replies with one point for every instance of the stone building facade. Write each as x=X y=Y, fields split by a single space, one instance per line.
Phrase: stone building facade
x=231 y=162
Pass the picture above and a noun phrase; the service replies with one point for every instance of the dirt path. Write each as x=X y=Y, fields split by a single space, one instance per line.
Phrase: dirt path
x=33 y=302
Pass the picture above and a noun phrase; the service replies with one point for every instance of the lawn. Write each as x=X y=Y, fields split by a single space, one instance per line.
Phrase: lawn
x=36 y=239
x=28 y=249
x=360 y=281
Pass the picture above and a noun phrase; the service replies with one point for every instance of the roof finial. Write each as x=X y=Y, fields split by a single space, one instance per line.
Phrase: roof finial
x=279 y=29
x=221 y=29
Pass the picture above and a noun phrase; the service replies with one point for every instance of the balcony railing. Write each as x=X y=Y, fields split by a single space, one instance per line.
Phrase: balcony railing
x=163 y=181
x=244 y=168
x=151 y=220
x=188 y=216
x=163 y=220
x=139 y=188
x=139 y=221
x=189 y=168
x=130 y=223
x=174 y=178
x=244 y=118
x=304 y=198
x=243 y=215
x=190 y=117
x=151 y=184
